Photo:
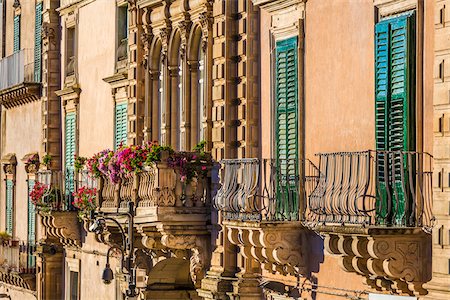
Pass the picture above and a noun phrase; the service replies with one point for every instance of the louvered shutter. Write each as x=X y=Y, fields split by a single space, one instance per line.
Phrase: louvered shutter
x=16 y=45
x=38 y=43
x=70 y=146
x=395 y=111
x=120 y=135
x=31 y=215
x=286 y=127
x=9 y=206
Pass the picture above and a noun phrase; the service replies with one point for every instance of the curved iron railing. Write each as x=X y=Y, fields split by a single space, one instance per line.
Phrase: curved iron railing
x=385 y=188
x=263 y=189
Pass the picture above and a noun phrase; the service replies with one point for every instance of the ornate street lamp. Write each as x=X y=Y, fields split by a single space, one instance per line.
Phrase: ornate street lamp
x=98 y=224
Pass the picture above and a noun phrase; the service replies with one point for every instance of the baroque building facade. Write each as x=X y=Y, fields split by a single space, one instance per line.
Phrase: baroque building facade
x=327 y=123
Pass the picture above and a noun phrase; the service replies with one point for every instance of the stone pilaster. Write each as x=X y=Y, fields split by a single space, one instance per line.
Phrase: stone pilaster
x=438 y=287
x=51 y=82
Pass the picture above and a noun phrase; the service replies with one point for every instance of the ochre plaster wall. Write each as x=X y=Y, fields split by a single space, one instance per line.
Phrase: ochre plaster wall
x=96 y=60
x=22 y=136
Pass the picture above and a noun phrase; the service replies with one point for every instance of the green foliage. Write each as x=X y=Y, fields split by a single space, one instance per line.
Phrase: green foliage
x=47 y=159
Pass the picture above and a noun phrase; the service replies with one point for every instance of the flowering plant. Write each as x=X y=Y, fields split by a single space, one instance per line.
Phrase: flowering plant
x=191 y=165
x=33 y=159
x=79 y=163
x=84 y=200
x=44 y=199
x=97 y=164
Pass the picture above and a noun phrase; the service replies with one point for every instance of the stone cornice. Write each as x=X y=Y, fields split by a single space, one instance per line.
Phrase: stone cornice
x=274 y=5
x=117 y=80
x=20 y=94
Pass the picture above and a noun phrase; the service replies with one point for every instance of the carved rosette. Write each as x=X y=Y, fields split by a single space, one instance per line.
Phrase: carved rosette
x=390 y=260
x=63 y=226
x=281 y=248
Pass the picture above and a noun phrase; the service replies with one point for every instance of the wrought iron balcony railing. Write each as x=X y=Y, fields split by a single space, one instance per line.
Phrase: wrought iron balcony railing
x=59 y=187
x=264 y=189
x=373 y=188
x=17 y=68
x=17 y=256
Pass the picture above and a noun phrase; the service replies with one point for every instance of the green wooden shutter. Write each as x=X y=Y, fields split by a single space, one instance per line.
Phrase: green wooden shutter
x=394 y=111
x=286 y=127
x=9 y=206
x=16 y=45
x=31 y=215
x=70 y=146
x=120 y=135
x=37 y=43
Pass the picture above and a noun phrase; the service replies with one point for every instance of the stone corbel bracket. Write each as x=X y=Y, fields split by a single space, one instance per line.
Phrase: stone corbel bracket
x=396 y=260
x=192 y=244
x=63 y=226
x=281 y=248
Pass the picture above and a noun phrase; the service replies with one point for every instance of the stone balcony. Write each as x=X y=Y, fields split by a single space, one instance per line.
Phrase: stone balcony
x=57 y=214
x=373 y=209
x=172 y=217
x=18 y=264
x=19 y=79
x=261 y=202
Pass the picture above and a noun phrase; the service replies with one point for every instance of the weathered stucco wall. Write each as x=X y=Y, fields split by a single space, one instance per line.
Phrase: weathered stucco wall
x=22 y=136
x=96 y=60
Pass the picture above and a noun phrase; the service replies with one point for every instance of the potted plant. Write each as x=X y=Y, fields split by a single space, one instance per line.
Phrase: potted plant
x=84 y=201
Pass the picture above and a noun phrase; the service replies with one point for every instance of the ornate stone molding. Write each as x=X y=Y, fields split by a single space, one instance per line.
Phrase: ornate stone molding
x=48 y=33
x=64 y=226
x=9 y=162
x=164 y=34
x=32 y=163
x=206 y=22
x=281 y=248
x=20 y=94
x=395 y=261
x=181 y=243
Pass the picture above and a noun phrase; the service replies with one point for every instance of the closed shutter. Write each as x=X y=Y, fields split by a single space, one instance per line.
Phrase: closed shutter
x=120 y=135
x=16 y=45
x=9 y=206
x=38 y=43
x=286 y=127
x=31 y=215
x=70 y=146
x=394 y=111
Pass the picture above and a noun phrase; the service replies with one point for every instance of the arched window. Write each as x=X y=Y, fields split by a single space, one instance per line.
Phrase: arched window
x=161 y=100
x=201 y=95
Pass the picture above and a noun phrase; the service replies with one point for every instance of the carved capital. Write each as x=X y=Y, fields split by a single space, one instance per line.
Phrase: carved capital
x=9 y=162
x=48 y=33
x=397 y=261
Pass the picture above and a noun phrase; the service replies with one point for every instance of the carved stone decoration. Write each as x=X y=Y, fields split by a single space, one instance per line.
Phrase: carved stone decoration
x=164 y=36
x=184 y=27
x=48 y=33
x=9 y=162
x=25 y=281
x=32 y=163
x=282 y=248
x=392 y=259
x=63 y=226
x=206 y=21
x=16 y=4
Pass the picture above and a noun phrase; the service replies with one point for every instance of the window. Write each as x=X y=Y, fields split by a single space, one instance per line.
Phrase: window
x=122 y=32
x=201 y=94
x=286 y=123
x=73 y=285
x=120 y=134
x=70 y=148
x=37 y=43
x=16 y=43
x=70 y=51
x=180 y=102
x=394 y=100
x=9 y=206
x=31 y=215
x=161 y=101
